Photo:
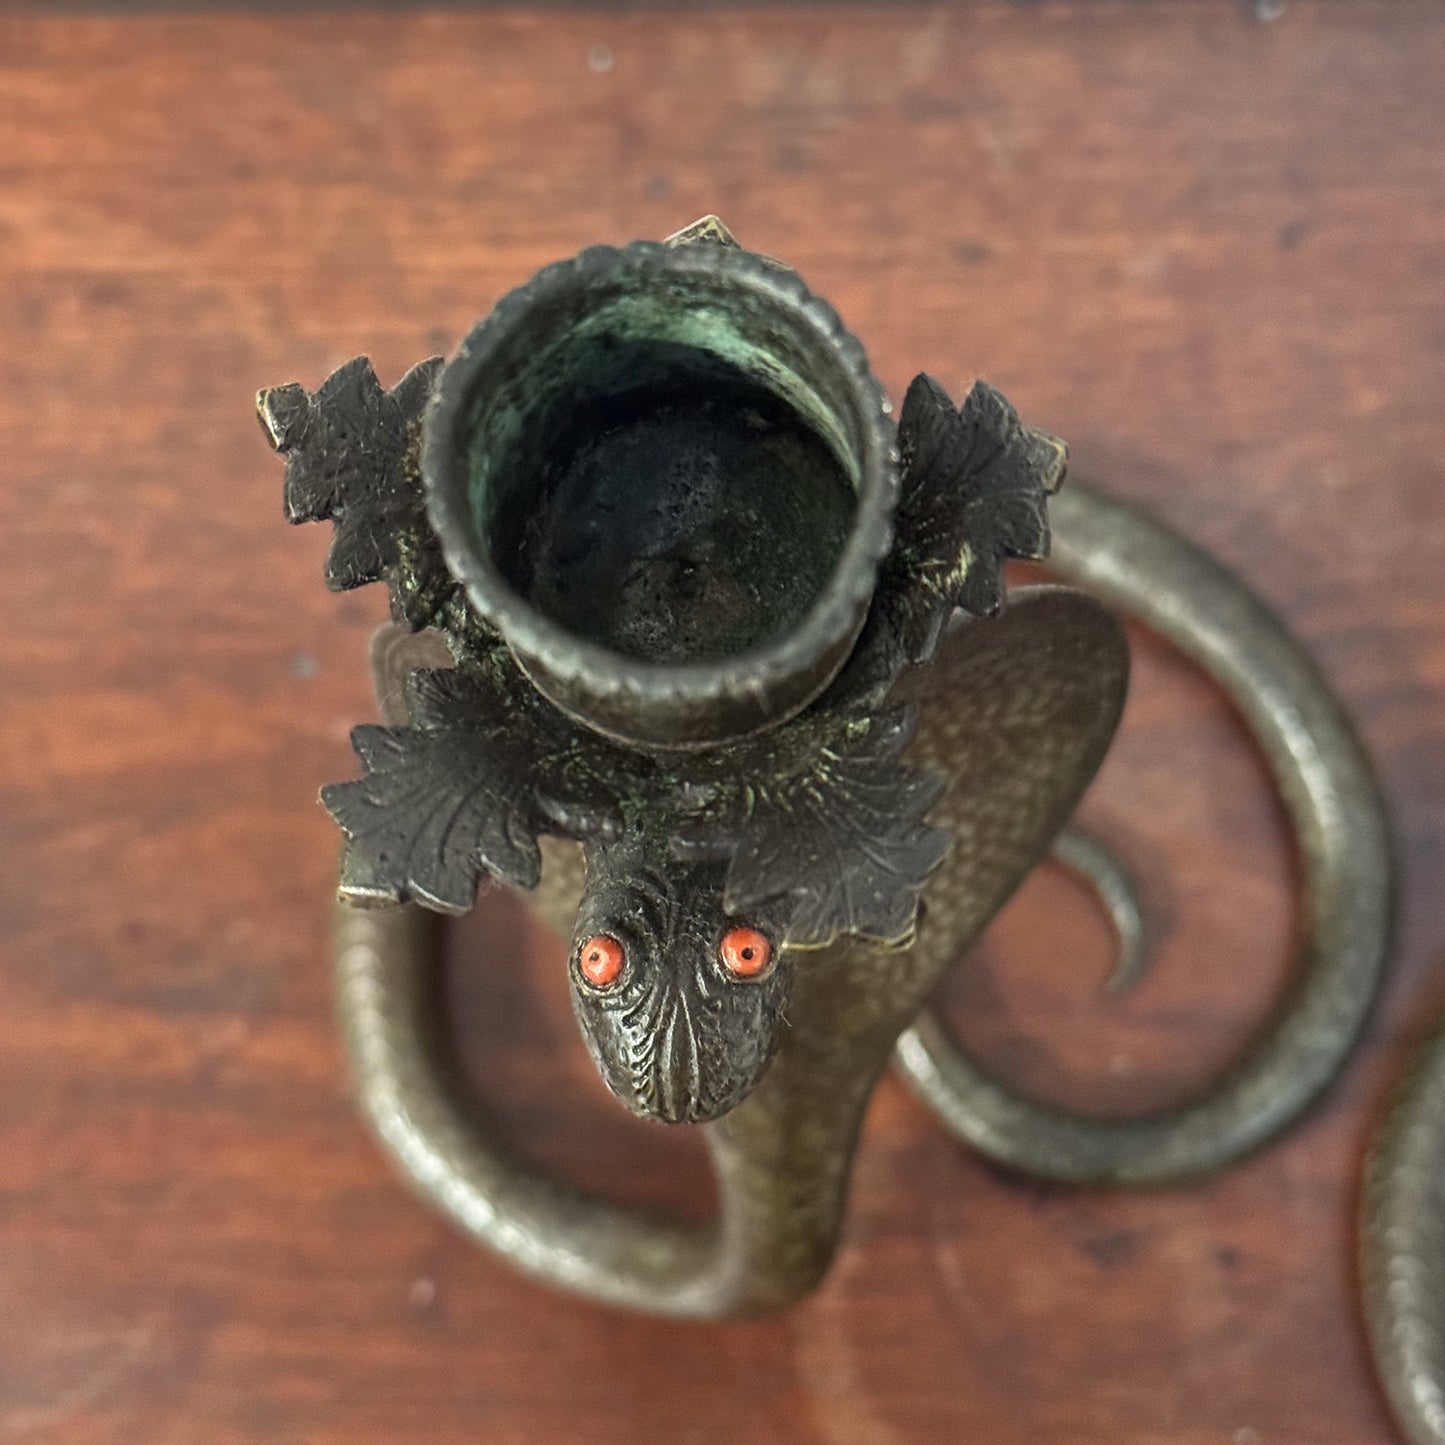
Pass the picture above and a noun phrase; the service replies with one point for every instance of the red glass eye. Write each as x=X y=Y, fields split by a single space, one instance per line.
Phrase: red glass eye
x=745 y=952
x=601 y=961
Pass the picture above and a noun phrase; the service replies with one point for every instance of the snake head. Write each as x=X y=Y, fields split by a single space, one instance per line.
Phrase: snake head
x=680 y=1004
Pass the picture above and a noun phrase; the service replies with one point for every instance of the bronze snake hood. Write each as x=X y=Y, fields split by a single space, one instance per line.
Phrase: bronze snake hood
x=678 y=551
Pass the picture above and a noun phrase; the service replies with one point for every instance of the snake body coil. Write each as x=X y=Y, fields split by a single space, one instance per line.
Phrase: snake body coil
x=1122 y=554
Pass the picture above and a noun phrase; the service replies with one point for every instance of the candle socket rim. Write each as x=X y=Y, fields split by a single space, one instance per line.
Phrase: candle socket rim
x=646 y=703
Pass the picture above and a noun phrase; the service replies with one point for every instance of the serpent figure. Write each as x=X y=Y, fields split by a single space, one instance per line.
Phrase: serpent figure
x=1028 y=702
x=1015 y=713
x=700 y=645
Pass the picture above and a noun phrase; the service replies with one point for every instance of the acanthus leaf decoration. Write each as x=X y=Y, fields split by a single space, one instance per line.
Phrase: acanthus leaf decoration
x=352 y=453
x=464 y=792
x=976 y=483
x=821 y=814
x=842 y=837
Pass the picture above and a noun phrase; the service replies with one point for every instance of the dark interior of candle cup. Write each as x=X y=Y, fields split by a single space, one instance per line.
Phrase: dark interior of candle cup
x=667 y=505
x=662 y=456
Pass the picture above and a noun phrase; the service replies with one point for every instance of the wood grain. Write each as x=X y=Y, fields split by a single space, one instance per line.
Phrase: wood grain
x=1207 y=251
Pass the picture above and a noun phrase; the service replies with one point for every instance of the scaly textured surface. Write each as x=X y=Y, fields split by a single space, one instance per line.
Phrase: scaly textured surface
x=1015 y=713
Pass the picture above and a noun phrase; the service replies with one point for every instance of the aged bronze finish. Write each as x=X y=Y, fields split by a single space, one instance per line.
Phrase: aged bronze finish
x=694 y=642
x=1329 y=791
x=1403 y=1249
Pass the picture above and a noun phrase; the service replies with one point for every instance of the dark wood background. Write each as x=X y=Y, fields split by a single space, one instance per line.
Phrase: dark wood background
x=1209 y=251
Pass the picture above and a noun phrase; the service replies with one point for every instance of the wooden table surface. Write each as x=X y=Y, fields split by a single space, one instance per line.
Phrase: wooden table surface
x=1209 y=251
